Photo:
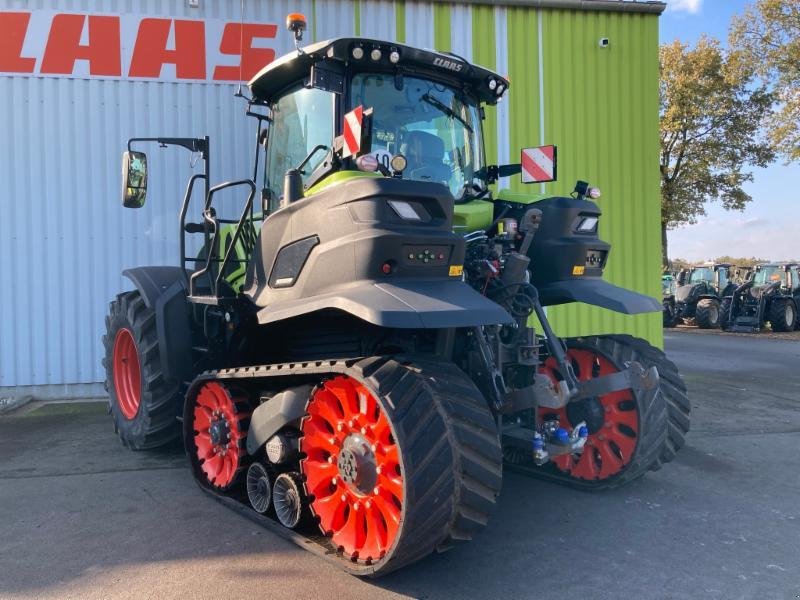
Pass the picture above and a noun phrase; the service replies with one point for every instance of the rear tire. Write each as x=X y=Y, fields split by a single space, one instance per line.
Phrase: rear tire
x=143 y=405
x=707 y=315
x=782 y=314
x=725 y=320
x=670 y=314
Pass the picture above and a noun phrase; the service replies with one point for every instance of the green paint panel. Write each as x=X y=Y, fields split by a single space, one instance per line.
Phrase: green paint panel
x=473 y=215
x=441 y=27
x=400 y=20
x=484 y=53
x=601 y=109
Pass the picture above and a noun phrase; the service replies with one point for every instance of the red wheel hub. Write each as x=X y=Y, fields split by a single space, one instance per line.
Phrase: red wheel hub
x=127 y=374
x=352 y=468
x=612 y=419
x=217 y=433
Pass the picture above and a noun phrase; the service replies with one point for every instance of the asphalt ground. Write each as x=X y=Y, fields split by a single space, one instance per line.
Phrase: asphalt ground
x=81 y=517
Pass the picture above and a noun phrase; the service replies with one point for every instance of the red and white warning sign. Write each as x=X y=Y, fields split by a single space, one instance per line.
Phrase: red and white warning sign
x=538 y=164
x=352 y=131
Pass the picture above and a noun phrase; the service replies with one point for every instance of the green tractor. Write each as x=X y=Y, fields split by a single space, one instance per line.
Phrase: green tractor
x=351 y=361
x=771 y=294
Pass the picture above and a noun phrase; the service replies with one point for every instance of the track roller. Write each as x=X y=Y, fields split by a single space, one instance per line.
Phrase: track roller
x=259 y=488
x=289 y=499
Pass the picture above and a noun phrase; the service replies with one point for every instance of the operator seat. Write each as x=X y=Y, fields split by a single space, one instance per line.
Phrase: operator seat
x=425 y=153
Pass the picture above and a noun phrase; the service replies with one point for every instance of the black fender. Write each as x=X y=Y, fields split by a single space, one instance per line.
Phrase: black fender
x=271 y=416
x=164 y=290
x=403 y=304
x=598 y=293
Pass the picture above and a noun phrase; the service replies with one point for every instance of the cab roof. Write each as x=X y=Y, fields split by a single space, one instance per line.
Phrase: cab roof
x=336 y=55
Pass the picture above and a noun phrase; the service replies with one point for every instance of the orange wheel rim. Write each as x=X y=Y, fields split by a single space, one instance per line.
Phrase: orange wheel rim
x=217 y=434
x=127 y=374
x=612 y=419
x=352 y=469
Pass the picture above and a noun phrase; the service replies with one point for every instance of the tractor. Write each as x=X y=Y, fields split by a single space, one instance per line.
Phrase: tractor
x=699 y=294
x=668 y=289
x=771 y=294
x=351 y=361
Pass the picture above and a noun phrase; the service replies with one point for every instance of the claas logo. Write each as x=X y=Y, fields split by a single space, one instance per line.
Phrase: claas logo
x=50 y=43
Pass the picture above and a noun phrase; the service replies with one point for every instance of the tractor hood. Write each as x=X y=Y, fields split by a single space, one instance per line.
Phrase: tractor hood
x=332 y=58
x=686 y=292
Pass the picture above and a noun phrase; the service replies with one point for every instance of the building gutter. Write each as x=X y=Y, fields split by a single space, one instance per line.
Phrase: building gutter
x=629 y=6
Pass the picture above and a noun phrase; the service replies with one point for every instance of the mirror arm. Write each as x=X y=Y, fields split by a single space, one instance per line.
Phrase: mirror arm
x=192 y=144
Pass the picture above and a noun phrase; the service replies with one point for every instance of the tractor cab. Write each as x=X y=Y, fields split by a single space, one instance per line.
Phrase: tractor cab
x=356 y=107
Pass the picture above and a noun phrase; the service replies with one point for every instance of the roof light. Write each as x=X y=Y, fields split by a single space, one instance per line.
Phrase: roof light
x=375 y=54
x=594 y=193
x=492 y=84
x=500 y=89
x=587 y=224
x=358 y=52
x=394 y=57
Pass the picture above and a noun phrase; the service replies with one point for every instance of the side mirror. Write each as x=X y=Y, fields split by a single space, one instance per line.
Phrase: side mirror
x=134 y=179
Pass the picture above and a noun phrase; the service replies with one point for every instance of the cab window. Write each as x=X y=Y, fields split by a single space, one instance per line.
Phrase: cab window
x=301 y=120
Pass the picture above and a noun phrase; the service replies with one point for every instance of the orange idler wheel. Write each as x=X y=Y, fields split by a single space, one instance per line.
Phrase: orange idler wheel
x=352 y=469
x=219 y=434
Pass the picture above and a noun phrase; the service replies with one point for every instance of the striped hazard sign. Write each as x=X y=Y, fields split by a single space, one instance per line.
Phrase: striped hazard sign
x=538 y=164
x=352 y=131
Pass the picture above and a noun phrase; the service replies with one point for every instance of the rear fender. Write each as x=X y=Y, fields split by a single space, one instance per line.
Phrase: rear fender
x=164 y=290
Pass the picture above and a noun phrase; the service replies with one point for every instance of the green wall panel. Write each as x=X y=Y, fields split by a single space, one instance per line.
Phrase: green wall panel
x=601 y=108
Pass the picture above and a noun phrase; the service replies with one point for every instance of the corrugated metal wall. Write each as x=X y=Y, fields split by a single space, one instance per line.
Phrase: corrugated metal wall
x=68 y=239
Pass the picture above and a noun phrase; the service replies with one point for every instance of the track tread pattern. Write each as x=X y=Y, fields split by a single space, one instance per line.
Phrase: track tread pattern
x=155 y=425
x=452 y=459
x=451 y=439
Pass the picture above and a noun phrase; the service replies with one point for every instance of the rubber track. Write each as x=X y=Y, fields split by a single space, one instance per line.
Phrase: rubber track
x=664 y=421
x=155 y=425
x=452 y=460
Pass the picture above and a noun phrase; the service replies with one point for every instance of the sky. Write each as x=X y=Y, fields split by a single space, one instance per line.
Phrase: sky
x=769 y=227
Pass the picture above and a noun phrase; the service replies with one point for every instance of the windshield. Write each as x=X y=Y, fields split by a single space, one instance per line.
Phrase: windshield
x=436 y=128
x=701 y=274
x=767 y=275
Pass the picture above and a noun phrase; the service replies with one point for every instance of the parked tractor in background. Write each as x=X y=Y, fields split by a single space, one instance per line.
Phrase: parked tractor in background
x=699 y=294
x=771 y=295
x=352 y=361
x=670 y=310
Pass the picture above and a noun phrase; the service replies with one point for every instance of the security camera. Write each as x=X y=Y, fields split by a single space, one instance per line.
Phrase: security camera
x=603 y=43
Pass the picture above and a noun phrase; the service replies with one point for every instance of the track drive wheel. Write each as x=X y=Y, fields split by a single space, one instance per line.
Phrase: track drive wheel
x=707 y=315
x=629 y=432
x=142 y=403
x=401 y=460
x=216 y=421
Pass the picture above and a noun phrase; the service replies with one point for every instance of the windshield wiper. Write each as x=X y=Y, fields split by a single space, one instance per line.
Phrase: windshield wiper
x=446 y=110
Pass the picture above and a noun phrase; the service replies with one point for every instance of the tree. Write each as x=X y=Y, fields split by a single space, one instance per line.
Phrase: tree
x=710 y=116
x=767 y=39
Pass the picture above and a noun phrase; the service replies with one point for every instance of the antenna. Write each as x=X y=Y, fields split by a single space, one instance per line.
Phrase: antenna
x=239 y=93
